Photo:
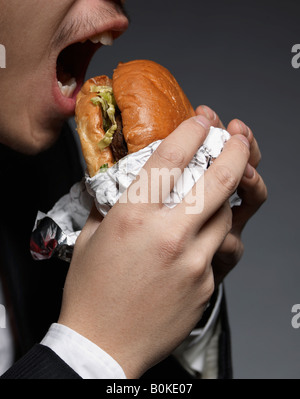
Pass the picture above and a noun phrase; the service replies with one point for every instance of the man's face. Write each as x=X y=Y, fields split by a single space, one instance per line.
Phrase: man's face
x=43 y=47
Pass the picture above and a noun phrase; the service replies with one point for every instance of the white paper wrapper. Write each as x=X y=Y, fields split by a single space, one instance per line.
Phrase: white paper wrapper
x=55 y=233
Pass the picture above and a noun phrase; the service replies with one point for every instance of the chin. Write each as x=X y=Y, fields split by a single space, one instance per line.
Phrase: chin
x=43 y=144
x=40 y=147
x=35 y=142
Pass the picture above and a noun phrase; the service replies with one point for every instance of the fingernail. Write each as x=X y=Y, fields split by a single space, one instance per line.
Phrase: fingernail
x=244 y=140
x=209 y=113
x=249 y=171
x=204 y=122
x=243 y=128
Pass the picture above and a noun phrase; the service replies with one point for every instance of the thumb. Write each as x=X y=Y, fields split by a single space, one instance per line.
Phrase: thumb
x=92 y=223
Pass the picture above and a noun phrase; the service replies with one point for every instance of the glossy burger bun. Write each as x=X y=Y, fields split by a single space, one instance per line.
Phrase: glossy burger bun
x=89 y=123
x=151 y=102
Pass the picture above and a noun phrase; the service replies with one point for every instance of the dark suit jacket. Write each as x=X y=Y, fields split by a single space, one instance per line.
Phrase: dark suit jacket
x=34 y=289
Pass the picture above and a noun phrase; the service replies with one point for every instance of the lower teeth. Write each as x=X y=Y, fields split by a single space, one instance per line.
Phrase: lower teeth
x=68 y=88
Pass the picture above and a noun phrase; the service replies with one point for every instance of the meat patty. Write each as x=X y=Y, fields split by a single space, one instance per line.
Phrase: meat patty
x=118 y=144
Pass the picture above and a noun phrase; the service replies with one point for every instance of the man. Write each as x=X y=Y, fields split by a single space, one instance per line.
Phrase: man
x=123 y=311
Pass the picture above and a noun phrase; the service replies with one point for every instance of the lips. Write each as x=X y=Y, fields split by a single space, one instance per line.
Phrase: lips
x=73 y=60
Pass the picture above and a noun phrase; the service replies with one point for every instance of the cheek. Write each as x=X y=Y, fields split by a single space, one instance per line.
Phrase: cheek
x=27 y=29
x=26 y=123
x=29 y=121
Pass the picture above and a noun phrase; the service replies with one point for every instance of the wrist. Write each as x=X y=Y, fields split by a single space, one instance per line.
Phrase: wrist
x=121 y=354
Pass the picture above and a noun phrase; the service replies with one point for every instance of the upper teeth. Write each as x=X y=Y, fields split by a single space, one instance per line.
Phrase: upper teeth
x=105 y=38
x=68 y=88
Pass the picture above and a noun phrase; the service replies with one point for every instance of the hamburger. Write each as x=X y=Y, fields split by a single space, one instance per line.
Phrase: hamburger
x=115 y=117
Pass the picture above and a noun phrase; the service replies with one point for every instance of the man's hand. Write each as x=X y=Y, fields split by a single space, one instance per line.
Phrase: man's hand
x=140 y=280
x=252 y=191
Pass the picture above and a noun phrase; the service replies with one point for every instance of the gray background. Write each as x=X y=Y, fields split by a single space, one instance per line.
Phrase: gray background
x=235 y=56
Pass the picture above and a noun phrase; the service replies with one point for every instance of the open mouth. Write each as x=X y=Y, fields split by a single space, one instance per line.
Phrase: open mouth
x=73 y=61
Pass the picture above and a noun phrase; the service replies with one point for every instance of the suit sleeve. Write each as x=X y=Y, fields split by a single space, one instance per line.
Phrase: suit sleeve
x=40 y=363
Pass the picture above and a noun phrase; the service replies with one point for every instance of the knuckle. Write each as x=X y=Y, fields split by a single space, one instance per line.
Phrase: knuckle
x=191 y=125
x=199 y=273
x=209 y=286
x=129 y=221
x=240 y=146
x=171 y=244
x=232 y=253
x=236 y=251
x=226 y=178
x=260 y=192
x=172 y=153
x=258 y=158
x=197 y=265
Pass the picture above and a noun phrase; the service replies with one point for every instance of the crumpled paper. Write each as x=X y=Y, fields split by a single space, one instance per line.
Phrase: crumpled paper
x=55 y=233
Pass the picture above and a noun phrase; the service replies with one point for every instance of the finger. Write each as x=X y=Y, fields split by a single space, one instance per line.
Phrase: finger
x=212 y=234
x=164 y=167
x=253 y=193
x=92 y=223
x=226 y=258
x=217 y=184
x=229 y=253
x=238 y=127
x=211 y=115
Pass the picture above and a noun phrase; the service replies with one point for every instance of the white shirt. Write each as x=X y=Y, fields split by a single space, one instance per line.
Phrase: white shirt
x=6 y=341
x=83 y=356
x=197 y=354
